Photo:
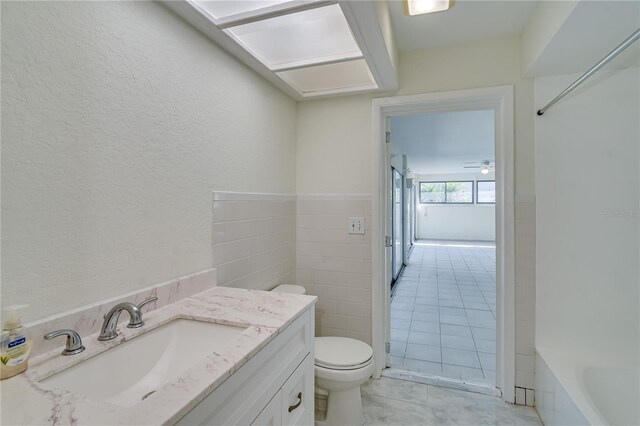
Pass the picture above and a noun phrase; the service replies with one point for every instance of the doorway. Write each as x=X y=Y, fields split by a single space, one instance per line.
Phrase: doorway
x=443 y=303
x=500 y=101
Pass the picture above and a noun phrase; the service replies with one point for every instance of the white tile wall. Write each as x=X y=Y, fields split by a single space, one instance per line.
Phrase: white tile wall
x=334 y=265
x=254 y=239
x=525 y=292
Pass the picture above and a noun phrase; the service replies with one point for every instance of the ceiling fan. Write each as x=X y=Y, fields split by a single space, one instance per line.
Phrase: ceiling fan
x=484 y=166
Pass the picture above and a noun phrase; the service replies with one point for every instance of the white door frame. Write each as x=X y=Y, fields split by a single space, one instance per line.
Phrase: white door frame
x=500 y=100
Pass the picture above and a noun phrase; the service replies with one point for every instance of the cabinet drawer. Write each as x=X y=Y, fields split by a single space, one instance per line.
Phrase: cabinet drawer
x=298 y=395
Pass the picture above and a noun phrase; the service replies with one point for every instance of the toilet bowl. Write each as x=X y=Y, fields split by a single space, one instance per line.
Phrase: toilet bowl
x=342 y=364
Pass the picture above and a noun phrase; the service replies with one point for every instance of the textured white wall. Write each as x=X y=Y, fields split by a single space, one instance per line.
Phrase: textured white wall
x=335 y=134
x=475 y=222
x=118 y=121
x=334 y=146
x=588 y=216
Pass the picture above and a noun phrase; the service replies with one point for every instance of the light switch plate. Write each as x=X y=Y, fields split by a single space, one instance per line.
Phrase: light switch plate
x=356 y=225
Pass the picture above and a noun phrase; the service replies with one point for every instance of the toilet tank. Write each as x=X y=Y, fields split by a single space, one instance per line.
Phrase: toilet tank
x=290 y=288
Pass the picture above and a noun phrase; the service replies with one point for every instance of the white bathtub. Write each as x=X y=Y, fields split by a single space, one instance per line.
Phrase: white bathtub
x=571 y=389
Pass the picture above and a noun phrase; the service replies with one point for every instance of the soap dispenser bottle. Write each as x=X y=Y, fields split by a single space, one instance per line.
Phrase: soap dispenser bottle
x=15 y=345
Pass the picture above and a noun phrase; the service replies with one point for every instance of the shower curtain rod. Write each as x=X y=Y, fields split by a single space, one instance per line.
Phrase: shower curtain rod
x=628 y=42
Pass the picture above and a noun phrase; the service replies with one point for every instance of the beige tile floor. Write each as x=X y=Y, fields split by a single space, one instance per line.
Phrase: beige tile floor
x=398 y=402
x=443 y=311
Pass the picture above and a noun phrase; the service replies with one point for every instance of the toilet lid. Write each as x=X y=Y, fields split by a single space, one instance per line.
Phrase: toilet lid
x=341 y=353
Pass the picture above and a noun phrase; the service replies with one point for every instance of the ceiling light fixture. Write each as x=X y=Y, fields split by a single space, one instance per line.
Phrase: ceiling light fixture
x=419 y=7
x=484 y=168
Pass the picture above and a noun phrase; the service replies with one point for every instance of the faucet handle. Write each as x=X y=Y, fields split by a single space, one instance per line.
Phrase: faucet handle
x=74 y=341
x=146 y=301
x=136 y=320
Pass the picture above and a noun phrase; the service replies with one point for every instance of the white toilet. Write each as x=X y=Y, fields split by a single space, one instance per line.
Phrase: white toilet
x=341 y=366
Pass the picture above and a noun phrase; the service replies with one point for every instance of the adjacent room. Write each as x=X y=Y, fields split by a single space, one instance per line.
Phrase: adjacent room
x=443 y=305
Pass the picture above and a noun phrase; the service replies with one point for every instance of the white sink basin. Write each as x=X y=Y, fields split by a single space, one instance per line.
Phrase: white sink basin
x=128 y=373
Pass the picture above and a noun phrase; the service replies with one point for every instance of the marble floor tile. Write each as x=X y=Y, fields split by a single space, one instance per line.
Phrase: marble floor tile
x=393 y=402
x=387 y=411
x=396 y=389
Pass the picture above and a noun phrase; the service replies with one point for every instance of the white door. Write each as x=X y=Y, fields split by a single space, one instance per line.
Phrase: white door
x=397 y=223
x=386 y=180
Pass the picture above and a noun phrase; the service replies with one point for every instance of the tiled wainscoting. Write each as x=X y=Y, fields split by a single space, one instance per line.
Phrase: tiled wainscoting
x=254 y=239
x=525 y=298
x=335 y=265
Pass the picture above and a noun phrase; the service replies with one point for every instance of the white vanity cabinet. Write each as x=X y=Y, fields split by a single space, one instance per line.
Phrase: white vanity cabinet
x=275 y=387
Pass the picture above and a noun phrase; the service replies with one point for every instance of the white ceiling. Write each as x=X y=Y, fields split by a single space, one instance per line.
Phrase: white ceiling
x=440 y=143
x=467 y=21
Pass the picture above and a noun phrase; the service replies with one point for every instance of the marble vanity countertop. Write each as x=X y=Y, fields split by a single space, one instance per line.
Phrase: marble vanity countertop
x=25 y=401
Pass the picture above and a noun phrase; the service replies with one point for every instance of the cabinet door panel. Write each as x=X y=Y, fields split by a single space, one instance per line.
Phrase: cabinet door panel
x=272 y=413
x=297 y=395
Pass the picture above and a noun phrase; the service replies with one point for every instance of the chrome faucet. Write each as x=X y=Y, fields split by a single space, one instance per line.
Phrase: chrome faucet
x=110 y=323
x=74 y=342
